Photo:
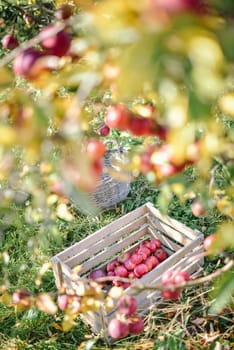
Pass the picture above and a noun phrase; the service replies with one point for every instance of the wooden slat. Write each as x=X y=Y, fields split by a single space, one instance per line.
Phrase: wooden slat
x=57 y=269
x=103 y=243
x=163 y=239
x=170 y=232
x=110 y=251
x=176 y=225
x=105 y=231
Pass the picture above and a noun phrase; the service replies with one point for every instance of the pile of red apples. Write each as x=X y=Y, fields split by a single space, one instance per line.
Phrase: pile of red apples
x=133 y=265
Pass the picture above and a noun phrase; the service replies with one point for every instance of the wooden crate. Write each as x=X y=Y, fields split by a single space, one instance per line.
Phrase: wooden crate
x=182 y=244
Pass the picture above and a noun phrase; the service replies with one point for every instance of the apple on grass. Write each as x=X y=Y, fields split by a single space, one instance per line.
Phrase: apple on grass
x=118 y=329
x=136 y=325
x=127 y=305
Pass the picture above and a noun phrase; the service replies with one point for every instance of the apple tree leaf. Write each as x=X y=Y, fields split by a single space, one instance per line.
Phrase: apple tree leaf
x=223 y=292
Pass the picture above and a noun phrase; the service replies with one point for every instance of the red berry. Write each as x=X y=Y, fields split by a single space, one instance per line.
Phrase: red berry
x=24 y=63
x=117 y=117
x=121 y=271
x=55 y=44
x=104 y=130
x=140 y=270
x=96 y=149
x=209 y=240
x=136 y=325
x=127 y=305
x=160 y=254
x=118 y=329
x=9 y=42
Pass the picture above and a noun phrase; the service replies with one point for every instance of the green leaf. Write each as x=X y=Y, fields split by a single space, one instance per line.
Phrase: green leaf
x=198 y=109
x=223 y=292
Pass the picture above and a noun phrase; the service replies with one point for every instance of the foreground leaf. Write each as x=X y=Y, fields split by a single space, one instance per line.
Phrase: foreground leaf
x=223 y=292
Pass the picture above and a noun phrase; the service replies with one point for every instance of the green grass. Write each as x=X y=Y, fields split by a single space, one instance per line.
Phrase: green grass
x=181 y=325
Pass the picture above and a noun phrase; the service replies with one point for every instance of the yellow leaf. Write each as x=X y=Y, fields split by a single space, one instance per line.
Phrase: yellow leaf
x=7 y=136
x=67 y=323
x=6 y=77
x=57 y=326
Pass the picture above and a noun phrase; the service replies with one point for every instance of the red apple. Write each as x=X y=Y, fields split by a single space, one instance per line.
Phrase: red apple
x=132 y=275
x=180 y=277
x=140 y=270
x=153 y=260
x=209 y=240
x=25 y=62
x=9 y=42
x=118 y=329
x=160 y=254
x=127 y=305
x=117 y=117
x=117 y=283
x=140 y=126
x=125 y=285
x=136 y=258
x=20 y=294
x=97 y=274
x=129 y=264
x=55 y=44
x=144 y=250
x=62 y=301
x=123 y=257
x=111 y=273
x=112 y=265
x=197 y=208
x=156 y=242
x=136 y=325
x=121 y=271
x=149 y=264
x=95 y=149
